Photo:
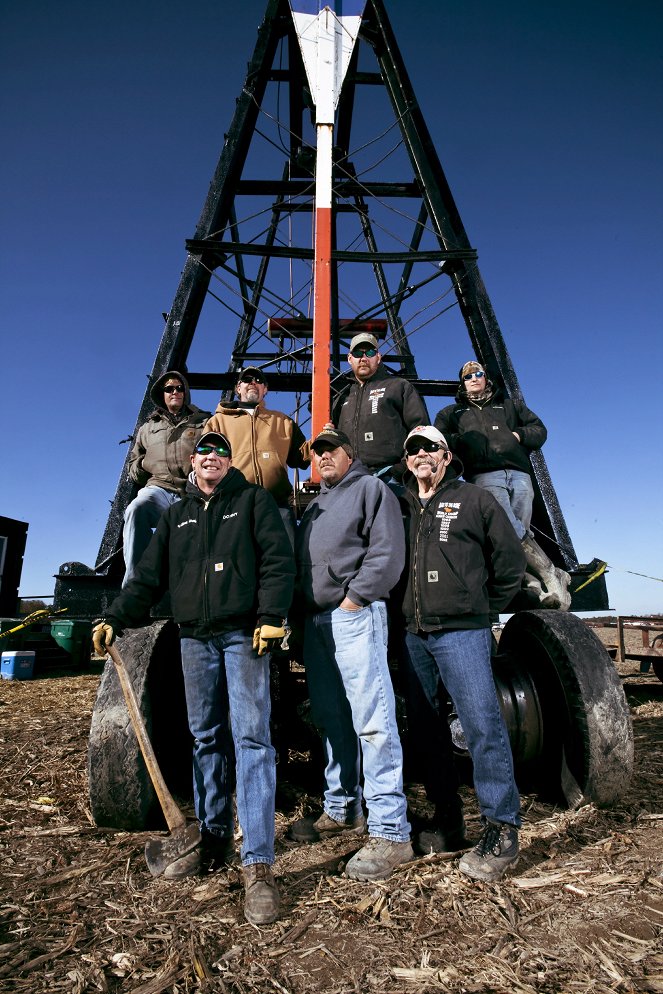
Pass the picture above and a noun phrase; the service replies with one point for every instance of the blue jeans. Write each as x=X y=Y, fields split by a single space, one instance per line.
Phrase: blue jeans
x=462 y=660
x=352 y=703
x=227 y=693
x=514 y=492
x=140 y=518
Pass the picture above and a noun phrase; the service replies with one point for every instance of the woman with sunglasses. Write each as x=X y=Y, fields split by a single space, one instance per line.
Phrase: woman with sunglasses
x=160 y=462
x=493 y=435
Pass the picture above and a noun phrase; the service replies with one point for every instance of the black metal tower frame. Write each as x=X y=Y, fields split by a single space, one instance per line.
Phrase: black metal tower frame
x=217 y=247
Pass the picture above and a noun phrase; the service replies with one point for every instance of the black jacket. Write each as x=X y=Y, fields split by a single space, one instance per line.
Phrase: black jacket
x=465 y=559
x=377 y=416
x=481 y=433
x=226 y=560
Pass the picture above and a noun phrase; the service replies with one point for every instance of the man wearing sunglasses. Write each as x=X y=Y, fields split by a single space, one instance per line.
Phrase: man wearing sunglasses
x=376 y=410
x=465 y=562
x=160 y=462
x=225 y=557
x=265 y=443
x=494 y=435
x=350 y=555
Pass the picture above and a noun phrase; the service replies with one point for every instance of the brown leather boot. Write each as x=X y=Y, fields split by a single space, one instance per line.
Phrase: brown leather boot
x=262 y=902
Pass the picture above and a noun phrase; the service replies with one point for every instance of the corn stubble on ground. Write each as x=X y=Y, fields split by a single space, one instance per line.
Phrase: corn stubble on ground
x=79 y=911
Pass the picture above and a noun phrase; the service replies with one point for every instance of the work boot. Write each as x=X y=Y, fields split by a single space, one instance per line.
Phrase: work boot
x=189 y=865
x=496 y=851
x=312 y=830
x=378 y=858
x=218 y=851
x=445 y=833
x=262 y=902
x=211 y=853
x=555 y=580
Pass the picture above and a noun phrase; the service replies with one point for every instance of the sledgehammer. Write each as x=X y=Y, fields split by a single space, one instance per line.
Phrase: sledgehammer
x=160 y=852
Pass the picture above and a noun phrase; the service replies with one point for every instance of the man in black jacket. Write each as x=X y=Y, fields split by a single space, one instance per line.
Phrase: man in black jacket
x=224 y=555
x=465 y=562
x=377 y=410
x=493 y=435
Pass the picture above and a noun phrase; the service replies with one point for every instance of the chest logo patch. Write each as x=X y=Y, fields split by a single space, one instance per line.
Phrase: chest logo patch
x=374 y=397
x=218 y=567
x=432 y=576
x=447 y=513
x=368 y=436
x=265 y=455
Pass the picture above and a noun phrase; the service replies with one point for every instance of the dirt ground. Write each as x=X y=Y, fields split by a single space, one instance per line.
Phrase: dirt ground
x=79 y=911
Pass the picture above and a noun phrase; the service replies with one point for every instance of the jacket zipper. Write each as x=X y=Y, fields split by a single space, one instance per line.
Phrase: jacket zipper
x=355 y=426
x=206 y=613
x=415 y=569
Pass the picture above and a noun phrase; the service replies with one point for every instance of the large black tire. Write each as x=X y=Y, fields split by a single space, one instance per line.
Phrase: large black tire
x=587 y=748
x=121 y=793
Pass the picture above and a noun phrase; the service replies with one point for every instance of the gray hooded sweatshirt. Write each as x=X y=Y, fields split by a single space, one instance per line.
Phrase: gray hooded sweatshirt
x=351 y=542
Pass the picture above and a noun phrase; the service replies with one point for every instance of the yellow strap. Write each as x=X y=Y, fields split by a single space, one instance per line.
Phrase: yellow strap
x=595 y=575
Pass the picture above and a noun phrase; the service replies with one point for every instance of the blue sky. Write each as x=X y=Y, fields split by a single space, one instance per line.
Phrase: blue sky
x=547 y=120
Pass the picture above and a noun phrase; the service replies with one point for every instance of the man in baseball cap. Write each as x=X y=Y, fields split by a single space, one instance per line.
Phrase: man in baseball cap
x=350 y=555
x=376 y=409
x=264 y=442
x=465 y=563
x=224 y=555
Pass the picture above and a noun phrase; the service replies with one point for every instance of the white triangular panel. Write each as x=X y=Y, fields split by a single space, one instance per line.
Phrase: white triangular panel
x=326 y=40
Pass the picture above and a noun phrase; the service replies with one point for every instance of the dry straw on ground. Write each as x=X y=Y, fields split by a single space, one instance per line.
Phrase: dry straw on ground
x=80 y=913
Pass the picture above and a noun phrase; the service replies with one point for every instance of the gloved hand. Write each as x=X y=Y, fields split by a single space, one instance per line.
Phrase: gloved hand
x=267 y=637
x=102 y=636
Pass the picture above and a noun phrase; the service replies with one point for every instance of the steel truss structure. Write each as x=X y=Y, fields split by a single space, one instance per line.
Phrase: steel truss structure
x=402 y=264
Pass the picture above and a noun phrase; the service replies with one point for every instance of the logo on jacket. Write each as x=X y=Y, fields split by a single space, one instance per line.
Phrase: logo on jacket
x=368 y=436
x=218 y=567
x=447 y=513
x=432 y=576
x=233 y=515
x=189 y=521
x=375 y=396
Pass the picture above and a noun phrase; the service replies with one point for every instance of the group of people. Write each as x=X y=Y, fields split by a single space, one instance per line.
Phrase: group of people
x=229 y=551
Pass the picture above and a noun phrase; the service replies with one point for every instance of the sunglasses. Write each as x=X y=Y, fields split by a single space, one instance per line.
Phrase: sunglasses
x=207 y=450
x=359 y=353
x=417 y=444
x=252 y=379
x=479 y=375
x=178 y=388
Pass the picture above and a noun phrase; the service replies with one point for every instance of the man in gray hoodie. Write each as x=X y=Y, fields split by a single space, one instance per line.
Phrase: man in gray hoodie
x=351 y=552
x=160 y=462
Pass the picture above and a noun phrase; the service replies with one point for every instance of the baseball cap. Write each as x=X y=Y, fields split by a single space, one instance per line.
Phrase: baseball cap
x=364 y=338
x=429 y=432
x=254 y=371
x=334 y=438
x=214 y=438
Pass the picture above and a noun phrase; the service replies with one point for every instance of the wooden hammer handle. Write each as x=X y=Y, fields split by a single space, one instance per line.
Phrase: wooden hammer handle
x=174 y=817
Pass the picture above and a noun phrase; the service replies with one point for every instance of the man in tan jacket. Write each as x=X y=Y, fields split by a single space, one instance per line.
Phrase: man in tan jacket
x=264 y=443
